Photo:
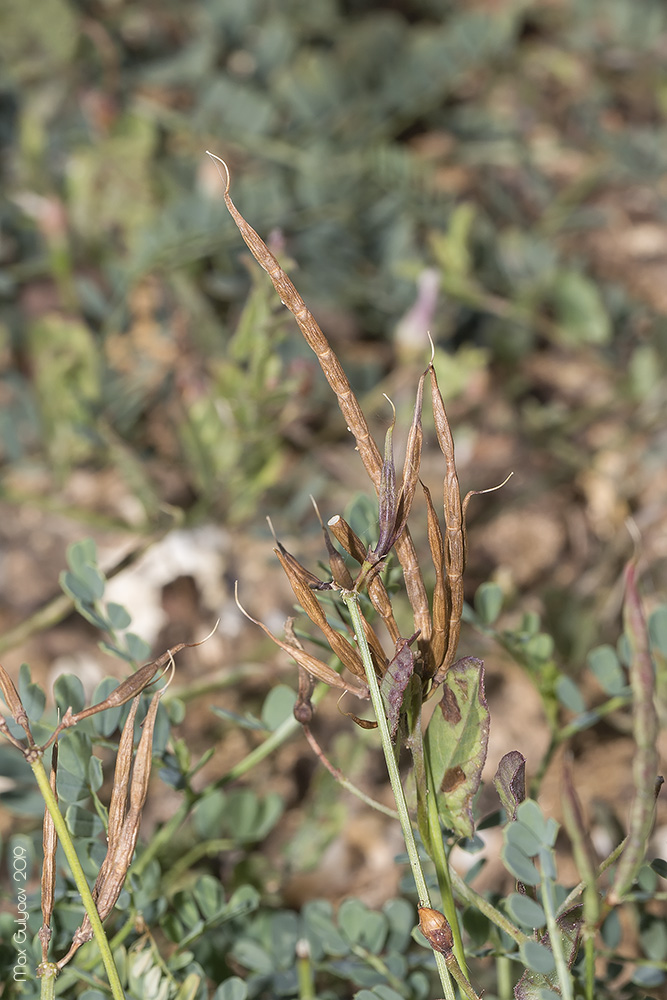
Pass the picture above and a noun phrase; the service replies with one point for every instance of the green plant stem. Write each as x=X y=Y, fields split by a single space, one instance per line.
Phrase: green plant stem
x=441 y=863
x=265 y=749
x=504 y=977
x=578 y=889
x=472 y=898
x=49 y=974
x=555 y=939
x=351 y=600
x=79 y=877
x=304 y=971
x=207 y=848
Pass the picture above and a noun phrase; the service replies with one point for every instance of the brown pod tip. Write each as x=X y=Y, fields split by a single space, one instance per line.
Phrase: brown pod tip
x=436 y=929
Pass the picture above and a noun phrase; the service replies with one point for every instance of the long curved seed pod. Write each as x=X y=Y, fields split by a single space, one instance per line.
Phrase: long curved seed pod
x=337 y=379
x=645 y=726
x=14 y=704
x=49 y=845
x=118 y=861
x=118 y=802
x=304 y=594
x=454 y=537
x=322 y=671
x=440 y=610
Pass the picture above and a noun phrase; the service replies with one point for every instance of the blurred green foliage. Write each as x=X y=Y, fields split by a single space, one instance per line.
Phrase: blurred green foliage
x=479 y=140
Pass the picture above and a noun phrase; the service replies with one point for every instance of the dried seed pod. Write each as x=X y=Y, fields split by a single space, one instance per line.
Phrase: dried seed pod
x=118 y=802
x=339 y=571
x=454 y=532
x=49 y=845
x=436 y=930
x=303 y=708
x=304 y=594
x=132 y=685
x=14 y=704
x=118 y=860
x=377 y=591
x=322 y=671
x=347 y=401
x=440 y=610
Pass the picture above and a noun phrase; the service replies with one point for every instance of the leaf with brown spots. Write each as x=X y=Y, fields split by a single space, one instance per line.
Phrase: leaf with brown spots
x=457 y=741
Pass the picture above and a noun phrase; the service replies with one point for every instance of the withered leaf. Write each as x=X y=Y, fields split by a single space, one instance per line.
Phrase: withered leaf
x=457 y=741
x=396 y=680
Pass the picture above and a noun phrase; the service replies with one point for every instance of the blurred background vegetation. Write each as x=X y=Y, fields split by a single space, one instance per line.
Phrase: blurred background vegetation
x=494 y=171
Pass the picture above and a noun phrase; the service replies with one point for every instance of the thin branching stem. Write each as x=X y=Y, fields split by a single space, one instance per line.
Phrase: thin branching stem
x=79 y=877
x=441 y=863
x=352 y=602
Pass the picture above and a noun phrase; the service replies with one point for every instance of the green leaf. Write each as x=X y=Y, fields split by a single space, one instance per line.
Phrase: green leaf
x=247 y=721
x=82 y=553
x=569 y=694
x=456 y=743
x=519 y=865
x=531 y=816
x=74 y=754
x=653 y=939
x=119 y=617
x=243 y=900
x=208 y=815
x=105 y=723
x=537 y=957
x=385 y=993
x=31 y=695
x=525 y=911
x=231 y=989
x=209 y=896
x=278 y=706
x=660 y=866
x=402 y=918
x=252 y=956
x=137 y=648
x=657 y=628
x=611 y=930
x=83 y=823
x=488 y=602
x=604 y=664
x=68 y=691
x=320 y=929
x=362 y=926
x=579 y=309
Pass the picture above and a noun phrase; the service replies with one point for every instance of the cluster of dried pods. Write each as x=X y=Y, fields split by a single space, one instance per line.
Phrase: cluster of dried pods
x=130 y=786
x=437 y=624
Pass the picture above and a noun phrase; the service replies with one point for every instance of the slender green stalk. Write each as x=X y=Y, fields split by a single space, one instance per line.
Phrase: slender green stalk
x=555 y=939
x=441 y=863
x=351 y=600
x=473 y=898
x=304 y=971
x=49 y=973
x=79 y=877
x=504 y=977
x=578 y=889
x=265 y=749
